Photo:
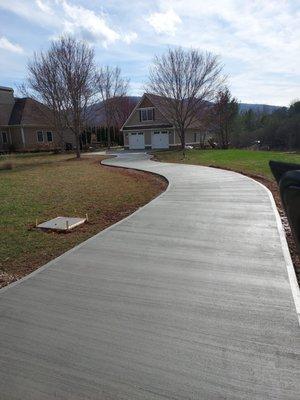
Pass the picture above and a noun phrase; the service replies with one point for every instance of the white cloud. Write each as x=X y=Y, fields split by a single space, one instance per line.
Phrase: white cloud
x=130 y=37
x=256 y=88
x=88 y=24
x=44 y=6
x=63 y=16
x=5 y=44
x=164 y=22
x=258 y=40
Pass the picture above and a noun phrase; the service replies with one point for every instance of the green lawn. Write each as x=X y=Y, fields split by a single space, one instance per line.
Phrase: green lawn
x=44 y=186
x=247 y=161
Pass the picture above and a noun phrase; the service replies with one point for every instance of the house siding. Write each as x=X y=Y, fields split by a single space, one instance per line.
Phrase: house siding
x=126 y=139
x=30 y=136
x=31 y=142
x=160 y=123
x=146 y=103
x=147 y=138
x=171 y=137
x=4 y=146
x=134 y=120
x=16 y=137
x=192 y=137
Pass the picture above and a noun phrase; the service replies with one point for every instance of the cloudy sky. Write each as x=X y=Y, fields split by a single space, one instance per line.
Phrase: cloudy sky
x=258 y=41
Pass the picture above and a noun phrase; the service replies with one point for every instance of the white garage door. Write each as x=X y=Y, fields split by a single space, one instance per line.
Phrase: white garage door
x=160 y=140
x=136 y=140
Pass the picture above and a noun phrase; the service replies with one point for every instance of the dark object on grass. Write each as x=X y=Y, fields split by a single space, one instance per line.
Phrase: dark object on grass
x=68 y=146
x=279 y=168
x=288 y=179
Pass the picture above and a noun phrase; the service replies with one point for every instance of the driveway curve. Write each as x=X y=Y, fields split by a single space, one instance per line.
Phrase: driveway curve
x=191 y=297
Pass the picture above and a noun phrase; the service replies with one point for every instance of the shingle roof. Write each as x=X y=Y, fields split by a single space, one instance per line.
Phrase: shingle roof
x=27 y=111
x=161 y=103
x=17 y=111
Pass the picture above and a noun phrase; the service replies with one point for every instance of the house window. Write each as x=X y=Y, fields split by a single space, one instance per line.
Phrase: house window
x=147 y=114
x=40 y=136
x=49 y=137
x=4 y=137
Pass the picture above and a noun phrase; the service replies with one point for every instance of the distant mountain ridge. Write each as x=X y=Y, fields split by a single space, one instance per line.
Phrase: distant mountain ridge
x=256 y=107
x=259 y=108
x=97 y=114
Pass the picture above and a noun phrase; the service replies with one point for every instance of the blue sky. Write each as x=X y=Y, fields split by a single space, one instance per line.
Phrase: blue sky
x=257 y=41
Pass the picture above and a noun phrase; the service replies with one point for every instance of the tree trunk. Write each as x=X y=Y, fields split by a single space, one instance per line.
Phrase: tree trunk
x=183 y=142
x=108 y=137
x=62 y=142
x=77 y=146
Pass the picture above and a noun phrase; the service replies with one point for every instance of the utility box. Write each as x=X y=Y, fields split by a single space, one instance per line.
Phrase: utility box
x=62 y=223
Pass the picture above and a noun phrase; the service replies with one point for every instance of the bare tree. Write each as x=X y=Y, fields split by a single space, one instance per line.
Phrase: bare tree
x=44 y=85
x=186 y=80
x=76 y=67
x=64 y=78
x=223 y=116
x=112 y=89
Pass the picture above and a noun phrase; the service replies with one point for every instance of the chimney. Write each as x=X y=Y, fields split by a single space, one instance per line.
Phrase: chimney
x=7 y=102
x=6 y=95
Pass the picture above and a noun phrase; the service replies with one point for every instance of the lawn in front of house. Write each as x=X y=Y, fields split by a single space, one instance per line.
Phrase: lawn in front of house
x=246 y=161
x=44 y=186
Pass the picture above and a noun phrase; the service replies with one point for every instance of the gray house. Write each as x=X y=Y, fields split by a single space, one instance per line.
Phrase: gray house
x=148 y=127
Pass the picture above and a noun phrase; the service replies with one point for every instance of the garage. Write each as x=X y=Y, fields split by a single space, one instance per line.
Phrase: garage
x=160 y=140
x=136 y=140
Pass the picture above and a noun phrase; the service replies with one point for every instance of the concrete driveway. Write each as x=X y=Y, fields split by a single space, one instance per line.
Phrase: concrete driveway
x=192 y=297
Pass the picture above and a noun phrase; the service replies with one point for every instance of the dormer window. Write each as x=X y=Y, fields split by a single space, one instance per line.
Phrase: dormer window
x=147 y=114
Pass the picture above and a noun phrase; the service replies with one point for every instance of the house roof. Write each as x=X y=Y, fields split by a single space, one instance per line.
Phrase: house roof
x=161 y=104
x=27 y=111
x=6 y=89
x=17 y=111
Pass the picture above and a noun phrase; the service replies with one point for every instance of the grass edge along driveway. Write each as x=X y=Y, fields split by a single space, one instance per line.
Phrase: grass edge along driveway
x=249 y=162
x=44 y=186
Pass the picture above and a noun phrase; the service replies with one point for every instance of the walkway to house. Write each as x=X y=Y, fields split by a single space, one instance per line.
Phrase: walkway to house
x=189 y=298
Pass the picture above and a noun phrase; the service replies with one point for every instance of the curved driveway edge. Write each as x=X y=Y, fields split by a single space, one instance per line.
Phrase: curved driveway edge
x=188 y=298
